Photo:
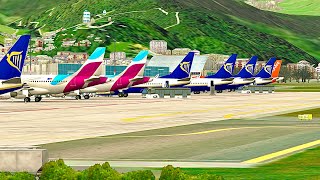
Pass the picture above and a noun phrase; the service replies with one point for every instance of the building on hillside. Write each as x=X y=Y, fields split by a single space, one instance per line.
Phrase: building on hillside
x=158 y=46
x=49 y=35
x=86 y=18
x=64 y=53
x=83 y=43
x=68 y=42
x=44 y=59
x=181 y=51
x=39 y=42
x=117 y=57
x=104 y=12
x=8 y=42
x=3 y=50
x=49 y=47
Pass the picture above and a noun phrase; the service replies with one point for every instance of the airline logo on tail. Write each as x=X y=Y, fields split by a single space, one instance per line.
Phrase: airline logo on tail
x=249 y=68
x=14 y=59
x=228 y=67
x=268 y=69
x=185 y=66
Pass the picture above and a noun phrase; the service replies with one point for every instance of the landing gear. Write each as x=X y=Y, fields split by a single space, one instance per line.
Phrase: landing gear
x=27 y=99
x=38 y=99
x=125 y=95
x=197 y=92
x=120 y=94
x=86 y=96
x=78 y=97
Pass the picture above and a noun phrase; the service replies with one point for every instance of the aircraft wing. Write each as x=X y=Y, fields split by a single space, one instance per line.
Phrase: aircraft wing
x=185 y=79
x=249 y=79
x=267 y=79
x=95 y=78
x=137 y=78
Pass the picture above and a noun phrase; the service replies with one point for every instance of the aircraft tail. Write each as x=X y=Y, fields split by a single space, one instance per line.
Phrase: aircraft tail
x=226 y=71
x=92 y=67
x=183 y=69
x=137 y=66
x=12 y=63
x=276 y=69
x=266 y=71
x=248 y=70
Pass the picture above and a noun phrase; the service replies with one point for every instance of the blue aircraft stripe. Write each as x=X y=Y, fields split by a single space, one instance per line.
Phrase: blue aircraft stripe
x=58 y=79
x=97 y=53
x=140 y=56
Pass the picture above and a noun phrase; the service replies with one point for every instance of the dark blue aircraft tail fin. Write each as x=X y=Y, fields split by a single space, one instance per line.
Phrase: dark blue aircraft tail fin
x=226 y=71
x=266 y=71
x=248 y=70
x=12 y=63
x=183 y=69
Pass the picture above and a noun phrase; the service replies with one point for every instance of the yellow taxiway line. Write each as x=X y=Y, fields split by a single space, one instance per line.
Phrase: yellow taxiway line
x=184 y=134
x=282 y=153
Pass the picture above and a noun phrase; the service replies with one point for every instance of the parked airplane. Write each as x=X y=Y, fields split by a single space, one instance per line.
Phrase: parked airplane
x=244 y=77
x=132 y=75
x=264 y=76
x=179 y=77
x=88 y=75
x=222 y=77
x=12 y=64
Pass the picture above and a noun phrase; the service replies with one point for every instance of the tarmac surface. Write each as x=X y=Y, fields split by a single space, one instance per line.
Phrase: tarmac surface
x=228 y=127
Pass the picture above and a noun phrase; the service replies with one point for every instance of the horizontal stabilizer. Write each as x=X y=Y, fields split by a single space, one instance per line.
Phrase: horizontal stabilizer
x=12 y=81
x=185 y=79
x=228 y=79
x=138 y=78
x=249 y=79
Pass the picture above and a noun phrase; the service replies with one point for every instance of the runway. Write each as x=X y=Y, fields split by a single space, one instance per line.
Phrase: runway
x=57 y=120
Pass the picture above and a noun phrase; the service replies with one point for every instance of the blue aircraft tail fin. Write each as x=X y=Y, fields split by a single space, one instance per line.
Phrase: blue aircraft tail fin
x=248 y=70
x=266 y=71
x=12 y=63
x=226 y=71
x=183 y=69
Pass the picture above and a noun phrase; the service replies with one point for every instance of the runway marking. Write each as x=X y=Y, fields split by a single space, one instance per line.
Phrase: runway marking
x=199 y=133
x=229 y=116
x=282 y=153
x=182 y=134
x=132 y=119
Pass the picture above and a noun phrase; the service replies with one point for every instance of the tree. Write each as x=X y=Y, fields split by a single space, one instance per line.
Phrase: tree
x=285 y=72
x=171 y=173
x=296 y=74
x=103 y=172
x=56 y=170
x=137 y=175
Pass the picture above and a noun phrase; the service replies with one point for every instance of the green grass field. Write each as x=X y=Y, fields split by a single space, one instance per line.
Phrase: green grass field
x=297 y=87
x=304 y=165
x=314 y=112
x=301 y=7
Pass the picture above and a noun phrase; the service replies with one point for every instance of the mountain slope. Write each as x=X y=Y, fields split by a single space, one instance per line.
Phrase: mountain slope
x=212 y=26
x=305 y=7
